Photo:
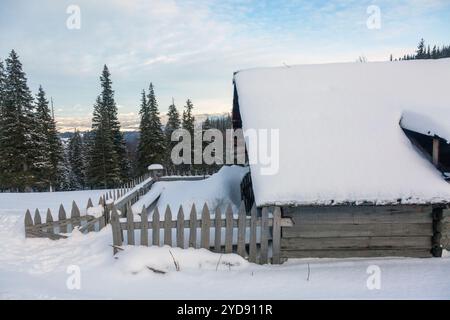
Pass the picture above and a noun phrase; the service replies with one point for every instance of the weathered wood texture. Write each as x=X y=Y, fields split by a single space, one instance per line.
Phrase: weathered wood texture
x=358 y=231
x=445 y=240
x=230 y=231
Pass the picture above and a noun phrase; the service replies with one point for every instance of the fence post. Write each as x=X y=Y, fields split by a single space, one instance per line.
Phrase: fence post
x=264 y=236
x=193 y=227
x=218 y=230
x=116 y=230
x=155 y=224
x=62 y=217
x=168 y=227
x=252 y=251
x=180 y=228
x=75 y=215
x=37 y=217
x=49 y=221
x=144 y=227
x=206 y=225
x=89 y=204
x=229 y=230
x=241 y=230
x=130 y=225
x=28 y=221
x=276 y=236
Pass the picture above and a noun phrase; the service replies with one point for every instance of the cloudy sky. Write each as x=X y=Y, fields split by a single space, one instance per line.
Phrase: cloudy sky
x=190 y=48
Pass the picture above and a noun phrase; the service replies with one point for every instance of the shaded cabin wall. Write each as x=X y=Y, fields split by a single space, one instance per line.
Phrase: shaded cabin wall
x=445 y=227
x=361 y=231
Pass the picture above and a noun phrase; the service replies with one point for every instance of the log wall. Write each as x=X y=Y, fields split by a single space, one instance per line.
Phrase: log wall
x=361 y=231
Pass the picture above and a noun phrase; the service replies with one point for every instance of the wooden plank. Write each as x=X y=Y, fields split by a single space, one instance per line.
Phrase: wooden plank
x=414 y=253
x=89 y=204
x=155 y=227
x=37 y=217
x=75 y=213
x=144 y=228
x=218 y=230
x=130 y=225
x=252 y=247
x=62 y=217
x=229 y=230
x=241 y=230
x=168 y=227
x=358 y=230
x=42 y=234
x=358 y=214
x=193 y=227
x=180 y=228
x=49 y=222
x=264 y=252
x=28 y=221
x=206 y=226
x=355 y=242
x=276 y=236
x=116 y=230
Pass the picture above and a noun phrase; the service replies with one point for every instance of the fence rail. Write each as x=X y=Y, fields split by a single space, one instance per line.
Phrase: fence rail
x=255 y=236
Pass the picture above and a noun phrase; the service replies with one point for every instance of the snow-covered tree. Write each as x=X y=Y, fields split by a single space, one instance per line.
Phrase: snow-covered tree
x=173 y=123
x=76 y=159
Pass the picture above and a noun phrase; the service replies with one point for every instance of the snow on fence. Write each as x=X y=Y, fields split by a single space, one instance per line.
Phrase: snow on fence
x=255 y=232
x=54 y=230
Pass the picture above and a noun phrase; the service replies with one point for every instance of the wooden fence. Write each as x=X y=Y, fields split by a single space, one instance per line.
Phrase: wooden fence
x=56 y=229
x=255 y=236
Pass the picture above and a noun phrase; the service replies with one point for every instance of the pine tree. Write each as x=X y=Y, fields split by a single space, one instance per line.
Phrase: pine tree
x=420 y=53
x=19 y=138
x=50 y=151
x=188 y=123
x=76 y=159
x=2 y=92
x=173 y=123
x=151 y=148
x=65 y=178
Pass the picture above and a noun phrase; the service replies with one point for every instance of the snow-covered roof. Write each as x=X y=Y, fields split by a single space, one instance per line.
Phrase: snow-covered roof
x=434 y=123
x=340 y=134
x=155 y=166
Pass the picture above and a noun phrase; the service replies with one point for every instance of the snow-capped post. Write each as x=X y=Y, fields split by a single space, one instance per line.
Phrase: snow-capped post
x=28 y=222
x=156 y=171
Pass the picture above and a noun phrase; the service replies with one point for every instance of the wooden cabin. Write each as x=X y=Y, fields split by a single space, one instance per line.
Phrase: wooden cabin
x=363 y=155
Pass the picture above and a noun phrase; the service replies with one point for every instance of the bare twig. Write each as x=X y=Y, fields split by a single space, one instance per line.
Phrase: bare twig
x=175 y=262
x=116 y=247
x=156 y=270
x=218 y=262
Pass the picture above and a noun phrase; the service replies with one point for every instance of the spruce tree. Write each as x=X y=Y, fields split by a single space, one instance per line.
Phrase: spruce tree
x=151 y=148
x=19 y=140
x=76 y=159
x=50 y=152
x=2 y=90
x=188 y=123
x=421 y=51
x=173 y=123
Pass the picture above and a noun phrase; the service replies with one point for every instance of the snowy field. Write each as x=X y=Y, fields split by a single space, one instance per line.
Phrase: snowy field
x=37 y=268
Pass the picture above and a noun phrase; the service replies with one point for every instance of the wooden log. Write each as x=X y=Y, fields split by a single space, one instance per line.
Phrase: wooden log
x=252 y=247
x=116 y=230
x=130 y=225
x=264 y=251
x=62 y=217
x=49 y=221
x=206 y=226
x=180 y=228
x=168 y=227
x=242 y=216
x=323 y=230
x=359 y=214
x=229 y=230
x=193 y=227
x=410 y=252
x=218 y=230
x=75 y=213
x=276 y=236
x=144 y=228
x=155 y=227
x=37 y=217
x=355 y=243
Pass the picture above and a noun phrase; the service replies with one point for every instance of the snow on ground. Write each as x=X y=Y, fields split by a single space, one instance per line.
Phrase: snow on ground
x=37 y=268
x=219 y=190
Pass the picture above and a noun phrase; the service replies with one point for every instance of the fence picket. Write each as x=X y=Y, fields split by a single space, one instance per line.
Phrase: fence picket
x=75 y=213
x=155 y=224
x=28 y=220
x=180 y=228
x=37 y=217
x=193 y=227
x=276 y=236
x=218 y=230
x=130 y=225
x=144 y=227
x=229 y=230
x=168 y=227
x=61 y=217
x=252 y=251
x=116 y=230
x=264 y=236
x=206 y=225
x=241 y=230
x=89 y=204
x=49 y=221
